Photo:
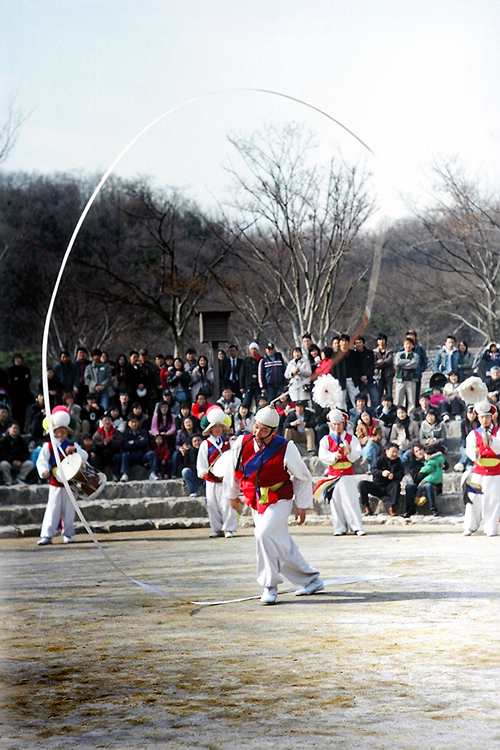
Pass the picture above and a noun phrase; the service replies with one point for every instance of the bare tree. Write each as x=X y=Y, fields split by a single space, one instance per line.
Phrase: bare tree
x=462 y=249
x=10 y=127
x=295 y=229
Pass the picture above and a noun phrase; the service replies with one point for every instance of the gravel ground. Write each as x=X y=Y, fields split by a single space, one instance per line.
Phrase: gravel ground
x=90 y=660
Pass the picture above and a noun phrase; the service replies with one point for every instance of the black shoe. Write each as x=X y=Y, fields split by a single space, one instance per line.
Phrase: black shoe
x=434 y=512
x=407 y=515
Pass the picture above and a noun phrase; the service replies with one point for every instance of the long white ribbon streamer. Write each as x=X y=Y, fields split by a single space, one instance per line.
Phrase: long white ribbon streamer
x=331 y=582
x=65 y=259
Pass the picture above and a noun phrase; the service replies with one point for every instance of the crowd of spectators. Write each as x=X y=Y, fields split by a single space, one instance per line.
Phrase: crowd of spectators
x=139 y=410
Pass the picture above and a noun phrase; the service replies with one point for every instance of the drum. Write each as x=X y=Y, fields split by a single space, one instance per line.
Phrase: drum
x=86 y=480
x=221 y=465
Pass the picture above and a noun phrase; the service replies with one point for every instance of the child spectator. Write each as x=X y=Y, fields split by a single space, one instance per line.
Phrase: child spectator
x=163 y=460
x=427 y=482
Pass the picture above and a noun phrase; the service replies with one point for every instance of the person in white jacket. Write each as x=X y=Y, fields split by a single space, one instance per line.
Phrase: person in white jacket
x=270 y=473
x=483 y=485
x=298 y=374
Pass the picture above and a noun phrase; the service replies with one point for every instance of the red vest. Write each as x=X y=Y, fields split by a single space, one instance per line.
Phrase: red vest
x=263 y=482
x=342 y=467
x=213 y=455
x=52 y=461
x=488 y=464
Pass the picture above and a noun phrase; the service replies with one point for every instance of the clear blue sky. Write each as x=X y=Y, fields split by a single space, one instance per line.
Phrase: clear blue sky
x=416 y=79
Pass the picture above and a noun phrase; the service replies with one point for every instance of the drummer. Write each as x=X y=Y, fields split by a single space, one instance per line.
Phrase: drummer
x=59 y=506
x=222 y=517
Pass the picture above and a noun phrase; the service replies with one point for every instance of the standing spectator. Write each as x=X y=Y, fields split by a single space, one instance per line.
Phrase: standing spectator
x=19 y=389
x=120 y=384
x=406 y=364
x=136 y=450
x=191 y=361
x=465 y=365
x=298 y=373
x=54 y=386
x=148 y=372
x=68 y=373
x=325 y=364
x=339 y=368
x=384 y=366
x=365 y=363
x=98 y=379
x=271 y=373
x=447 y=357
x=231 y=370
x=82 y=362
x=178 y=381
x=124 y=405
x=221 y=357
x=133 y=382
x=489 y=358
x=423 y=359
x=202 y=379
x=14 y=456
x=249 y=376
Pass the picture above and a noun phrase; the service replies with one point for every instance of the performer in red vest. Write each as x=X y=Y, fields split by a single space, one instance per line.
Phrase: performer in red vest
x=59 y=506
x=338 y=450
x=270 y=472
x=483 y=485
x=222 y=517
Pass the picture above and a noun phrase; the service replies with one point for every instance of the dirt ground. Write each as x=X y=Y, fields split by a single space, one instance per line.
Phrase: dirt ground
x=90 y=660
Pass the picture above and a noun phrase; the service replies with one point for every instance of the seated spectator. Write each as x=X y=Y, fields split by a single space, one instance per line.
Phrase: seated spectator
x=283 y=406
x=88 y=445
x=14 y=456
x=465 y=365
x=299 y=427
x=136 y=450
x=452 y=406
x=36 y=417
x=404 y=433
x=424 y=405
x=178 y=381
x=118 y=423
x=261 y=403
x=369 y=434
x=124 y=405
x=185 y=411
x=244 y=421
x=427 y=482
x=166 y=395
x=202 y=379
x=91 y=414
x=386 y=415
x=163 y=423
x=360 y=404
x=387 y=476
x=142 y=416
x=6 y=420
x=166 y=369
x=107 y=447
x=200 y=406
x=298 y=374
x=229 y=403
x=433 y=433
x=493 y=384
x=469 y=422
x=436 y=398
x=163 y=456
x=187 y=466
x=184 y=439
x=68 y=400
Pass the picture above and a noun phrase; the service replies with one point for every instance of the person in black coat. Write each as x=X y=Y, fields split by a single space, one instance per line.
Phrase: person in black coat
x=387 y=476
x=231 y=370
x=19 y=390
x=14 y=456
